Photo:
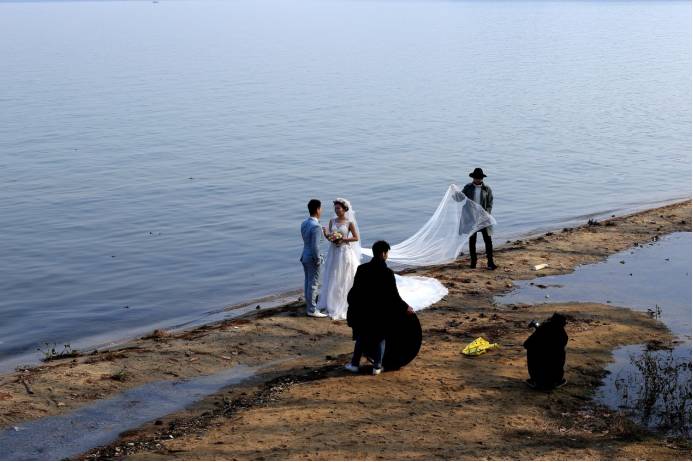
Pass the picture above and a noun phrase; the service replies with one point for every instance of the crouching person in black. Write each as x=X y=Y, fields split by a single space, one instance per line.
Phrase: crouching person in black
x=375 y=306
x=546 y=353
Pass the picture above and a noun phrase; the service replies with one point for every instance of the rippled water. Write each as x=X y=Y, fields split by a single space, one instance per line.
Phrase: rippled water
x=156 y=158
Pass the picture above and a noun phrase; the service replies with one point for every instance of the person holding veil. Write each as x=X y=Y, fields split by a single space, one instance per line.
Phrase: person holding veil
x=479 y=192
x=343 y=259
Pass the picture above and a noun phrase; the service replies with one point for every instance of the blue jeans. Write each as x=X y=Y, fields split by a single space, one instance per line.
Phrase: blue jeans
x=311 y=286
x=378 y=350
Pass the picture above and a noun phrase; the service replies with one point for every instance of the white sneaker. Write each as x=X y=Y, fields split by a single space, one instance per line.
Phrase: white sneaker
x=316 y=314
x=377 y=371
x=351 y=368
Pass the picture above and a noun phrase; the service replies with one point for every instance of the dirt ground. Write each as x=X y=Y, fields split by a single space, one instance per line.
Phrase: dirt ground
x=442 y=406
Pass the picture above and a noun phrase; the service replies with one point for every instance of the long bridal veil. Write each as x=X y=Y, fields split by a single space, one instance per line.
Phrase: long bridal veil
x=439 y=241
x=444 y=235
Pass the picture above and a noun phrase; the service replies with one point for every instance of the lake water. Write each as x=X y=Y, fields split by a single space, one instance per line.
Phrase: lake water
x=156 y=158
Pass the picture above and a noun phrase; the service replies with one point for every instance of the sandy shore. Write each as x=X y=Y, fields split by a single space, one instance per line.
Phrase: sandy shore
x=442 y=406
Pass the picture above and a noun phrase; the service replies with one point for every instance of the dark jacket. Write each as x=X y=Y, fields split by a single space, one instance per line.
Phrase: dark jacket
x=486 y=195
x=374 y=302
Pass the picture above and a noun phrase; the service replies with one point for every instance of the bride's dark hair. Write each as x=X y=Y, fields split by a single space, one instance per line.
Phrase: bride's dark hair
x=344 y=206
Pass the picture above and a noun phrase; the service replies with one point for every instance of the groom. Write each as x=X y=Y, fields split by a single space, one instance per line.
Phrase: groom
x=311 y=258
x=374 y=308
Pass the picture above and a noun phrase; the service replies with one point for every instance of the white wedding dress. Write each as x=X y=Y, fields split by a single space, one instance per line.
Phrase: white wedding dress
x=338 y=273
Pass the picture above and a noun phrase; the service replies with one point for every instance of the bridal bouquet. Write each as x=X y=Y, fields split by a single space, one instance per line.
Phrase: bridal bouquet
x=335 y=237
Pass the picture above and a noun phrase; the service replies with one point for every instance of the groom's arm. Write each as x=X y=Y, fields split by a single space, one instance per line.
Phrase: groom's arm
x=314 y=240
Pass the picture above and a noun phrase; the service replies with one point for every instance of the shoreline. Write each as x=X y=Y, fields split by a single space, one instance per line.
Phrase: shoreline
x=287 y=297
x=305 y=345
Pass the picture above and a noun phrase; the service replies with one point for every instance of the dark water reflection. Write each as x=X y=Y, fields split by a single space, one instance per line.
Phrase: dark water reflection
x=651 y=386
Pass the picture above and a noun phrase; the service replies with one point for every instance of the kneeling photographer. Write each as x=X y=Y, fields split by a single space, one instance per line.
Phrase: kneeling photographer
x=546 y=353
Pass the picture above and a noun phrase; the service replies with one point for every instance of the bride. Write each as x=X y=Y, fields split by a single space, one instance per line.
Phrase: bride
x=343 y=258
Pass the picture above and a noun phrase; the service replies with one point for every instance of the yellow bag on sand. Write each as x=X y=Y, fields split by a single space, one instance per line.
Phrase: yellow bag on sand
x=478 y=347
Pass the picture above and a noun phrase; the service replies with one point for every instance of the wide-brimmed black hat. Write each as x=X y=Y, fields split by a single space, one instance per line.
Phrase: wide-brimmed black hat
x=477 y=173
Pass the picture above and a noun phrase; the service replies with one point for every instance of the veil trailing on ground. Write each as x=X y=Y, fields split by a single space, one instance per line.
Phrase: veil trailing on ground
x=445 y=234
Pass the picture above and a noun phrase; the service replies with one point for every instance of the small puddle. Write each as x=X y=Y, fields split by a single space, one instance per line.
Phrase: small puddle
x=652 y=387
x=68 y=435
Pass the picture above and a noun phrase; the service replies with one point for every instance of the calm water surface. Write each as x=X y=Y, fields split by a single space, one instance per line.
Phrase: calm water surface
x=155 y=159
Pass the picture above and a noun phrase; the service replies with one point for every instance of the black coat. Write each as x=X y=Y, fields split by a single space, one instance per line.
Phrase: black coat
x=546 y=352
x=375 y=305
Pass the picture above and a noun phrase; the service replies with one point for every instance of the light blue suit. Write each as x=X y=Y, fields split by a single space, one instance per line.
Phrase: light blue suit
x=312 y=261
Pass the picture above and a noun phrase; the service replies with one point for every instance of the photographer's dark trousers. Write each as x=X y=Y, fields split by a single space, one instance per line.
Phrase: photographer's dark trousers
x=487 y=242
x=372 y=348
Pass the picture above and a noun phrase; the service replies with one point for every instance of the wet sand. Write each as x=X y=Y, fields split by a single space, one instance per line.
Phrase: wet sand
x=442 y=406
